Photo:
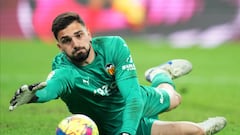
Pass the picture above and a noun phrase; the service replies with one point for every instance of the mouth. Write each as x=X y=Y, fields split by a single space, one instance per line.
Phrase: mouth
x=79 y=51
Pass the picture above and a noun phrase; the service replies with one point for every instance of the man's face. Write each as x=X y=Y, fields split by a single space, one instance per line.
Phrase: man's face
x=75 y=41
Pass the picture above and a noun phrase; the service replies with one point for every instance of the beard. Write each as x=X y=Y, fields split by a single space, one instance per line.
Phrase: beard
x=79 y=57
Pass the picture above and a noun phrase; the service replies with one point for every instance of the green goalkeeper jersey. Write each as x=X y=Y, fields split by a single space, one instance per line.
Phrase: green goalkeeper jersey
x=107 y=90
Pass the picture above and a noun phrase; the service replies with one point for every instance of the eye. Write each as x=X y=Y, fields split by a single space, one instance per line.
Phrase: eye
x=78 y=35
x=66 y=40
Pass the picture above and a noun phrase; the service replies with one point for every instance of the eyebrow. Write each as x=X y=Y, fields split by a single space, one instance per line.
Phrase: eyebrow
x=73 y=34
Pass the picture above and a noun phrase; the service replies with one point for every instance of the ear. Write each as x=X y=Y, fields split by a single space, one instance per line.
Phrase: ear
x=89 y=33
x=59 y=46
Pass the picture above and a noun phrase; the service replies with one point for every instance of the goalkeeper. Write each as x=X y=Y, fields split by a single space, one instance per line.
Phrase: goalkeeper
x=97 y=77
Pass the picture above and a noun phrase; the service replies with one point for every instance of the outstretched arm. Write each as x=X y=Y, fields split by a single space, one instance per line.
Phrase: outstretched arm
x=41 y=92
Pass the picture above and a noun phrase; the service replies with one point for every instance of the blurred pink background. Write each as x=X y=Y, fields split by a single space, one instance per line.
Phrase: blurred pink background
x=177 y=19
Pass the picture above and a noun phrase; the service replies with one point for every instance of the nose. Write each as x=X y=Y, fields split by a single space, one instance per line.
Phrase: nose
x=75 y=42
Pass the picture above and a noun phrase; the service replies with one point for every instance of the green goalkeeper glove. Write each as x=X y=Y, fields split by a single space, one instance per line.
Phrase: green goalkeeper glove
x=24 y=94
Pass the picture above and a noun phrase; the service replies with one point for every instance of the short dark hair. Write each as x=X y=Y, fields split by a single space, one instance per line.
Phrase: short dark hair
x=63 y=20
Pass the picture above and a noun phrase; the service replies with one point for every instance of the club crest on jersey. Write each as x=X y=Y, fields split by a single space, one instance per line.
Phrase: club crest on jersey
x=110 y=69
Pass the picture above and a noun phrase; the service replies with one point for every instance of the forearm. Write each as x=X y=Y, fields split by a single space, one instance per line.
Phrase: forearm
x=43 y=95
x=134 y=105
x=132 y=115
x=50 y=92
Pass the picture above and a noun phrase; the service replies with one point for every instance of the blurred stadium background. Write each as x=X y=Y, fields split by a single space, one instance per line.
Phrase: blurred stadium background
x=183 y=23
x=207 y=32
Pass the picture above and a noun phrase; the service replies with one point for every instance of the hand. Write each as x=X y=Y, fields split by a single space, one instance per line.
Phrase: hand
x=24 y=94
